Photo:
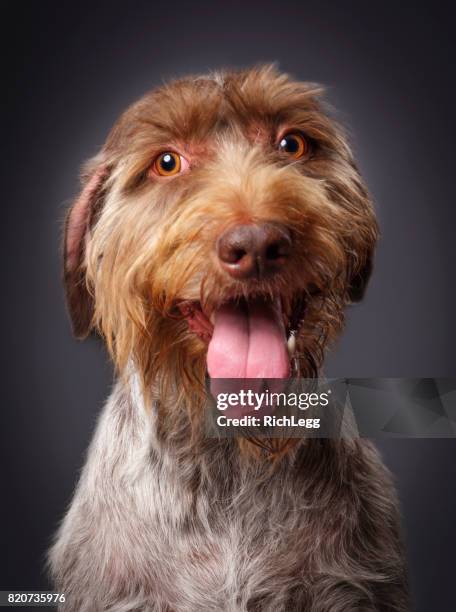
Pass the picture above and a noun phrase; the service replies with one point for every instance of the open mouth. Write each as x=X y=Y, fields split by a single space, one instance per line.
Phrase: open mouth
x=247 y=337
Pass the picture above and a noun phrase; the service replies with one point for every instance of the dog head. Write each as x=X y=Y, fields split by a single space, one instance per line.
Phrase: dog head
x=223 y=220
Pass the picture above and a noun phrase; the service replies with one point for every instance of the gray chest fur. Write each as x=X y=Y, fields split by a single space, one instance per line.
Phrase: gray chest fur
x=152 y=527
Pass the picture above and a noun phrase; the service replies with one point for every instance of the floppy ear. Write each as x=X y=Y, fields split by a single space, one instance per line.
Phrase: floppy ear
x=359 y=282
x=77 y=224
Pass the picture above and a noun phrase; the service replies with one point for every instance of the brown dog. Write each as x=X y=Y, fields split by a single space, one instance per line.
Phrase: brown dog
x=223 y=215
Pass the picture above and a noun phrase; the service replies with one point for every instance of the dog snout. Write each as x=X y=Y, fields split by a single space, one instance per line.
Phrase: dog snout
x=254 y=251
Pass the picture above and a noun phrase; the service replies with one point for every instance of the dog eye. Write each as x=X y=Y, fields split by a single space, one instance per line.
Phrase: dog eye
x=169 y=163
x=294 y=144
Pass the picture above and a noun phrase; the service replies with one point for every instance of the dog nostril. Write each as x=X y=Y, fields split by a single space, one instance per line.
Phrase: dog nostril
x=278 y=248
x=229 y=253
x=274 y=251
x=238 y=254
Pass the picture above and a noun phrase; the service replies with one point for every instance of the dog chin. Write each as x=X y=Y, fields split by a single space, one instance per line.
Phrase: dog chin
x=249 y=337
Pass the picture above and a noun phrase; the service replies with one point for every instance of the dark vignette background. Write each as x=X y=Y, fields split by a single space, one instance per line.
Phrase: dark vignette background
x=68 y=69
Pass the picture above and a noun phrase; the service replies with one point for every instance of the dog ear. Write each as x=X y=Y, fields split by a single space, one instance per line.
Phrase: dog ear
x=77 y=224
x=358 y=283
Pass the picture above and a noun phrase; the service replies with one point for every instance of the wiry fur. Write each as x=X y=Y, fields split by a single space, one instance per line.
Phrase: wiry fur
x=163 y=518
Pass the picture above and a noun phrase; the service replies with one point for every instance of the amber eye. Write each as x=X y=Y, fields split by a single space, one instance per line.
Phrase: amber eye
x=294 y=144
x=168 y=163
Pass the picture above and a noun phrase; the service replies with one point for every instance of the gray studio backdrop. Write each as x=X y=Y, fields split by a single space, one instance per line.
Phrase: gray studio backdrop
x=69 y=70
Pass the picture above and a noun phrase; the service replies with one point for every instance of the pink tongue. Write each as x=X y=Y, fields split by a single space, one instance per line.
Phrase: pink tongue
x=248 y=342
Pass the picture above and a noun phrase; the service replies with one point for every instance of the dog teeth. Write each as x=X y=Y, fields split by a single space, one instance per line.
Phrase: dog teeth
x=291 y=344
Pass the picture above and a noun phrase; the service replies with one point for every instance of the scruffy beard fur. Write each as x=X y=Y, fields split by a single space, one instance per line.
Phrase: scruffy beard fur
x=316 y=528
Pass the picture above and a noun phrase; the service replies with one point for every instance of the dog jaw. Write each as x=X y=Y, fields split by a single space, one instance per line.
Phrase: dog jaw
x=247 y=337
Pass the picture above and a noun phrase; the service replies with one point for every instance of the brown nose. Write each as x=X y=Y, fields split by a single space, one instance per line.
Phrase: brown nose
x=253 y=251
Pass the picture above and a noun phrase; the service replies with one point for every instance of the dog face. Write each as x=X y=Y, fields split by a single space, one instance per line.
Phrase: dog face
x=223 y=215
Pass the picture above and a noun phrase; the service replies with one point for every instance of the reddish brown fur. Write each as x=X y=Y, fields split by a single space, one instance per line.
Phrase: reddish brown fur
x=152 y=243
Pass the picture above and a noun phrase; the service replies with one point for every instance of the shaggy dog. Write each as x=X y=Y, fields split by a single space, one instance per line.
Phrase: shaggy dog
x=223 y=215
